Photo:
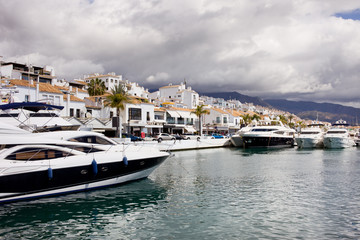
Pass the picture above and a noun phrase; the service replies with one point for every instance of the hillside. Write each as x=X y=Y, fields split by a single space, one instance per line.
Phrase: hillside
x=324 y=111
x=238 y=96
x=328 y=112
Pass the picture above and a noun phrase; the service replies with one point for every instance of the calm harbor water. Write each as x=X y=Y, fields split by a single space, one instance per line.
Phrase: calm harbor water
x=223 y=193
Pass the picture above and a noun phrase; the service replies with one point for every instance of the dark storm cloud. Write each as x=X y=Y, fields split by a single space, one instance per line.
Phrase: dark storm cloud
x=272 y=49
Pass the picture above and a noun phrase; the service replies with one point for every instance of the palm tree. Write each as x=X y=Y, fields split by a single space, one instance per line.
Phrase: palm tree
x=283 y=119
x=199 y=111
x=291 y=117
x=247 y=119
x=117 y=99
x=96 y=87
x=256 y=117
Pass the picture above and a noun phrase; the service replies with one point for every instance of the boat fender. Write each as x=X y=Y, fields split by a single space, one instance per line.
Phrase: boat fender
x=125 y=160
x=94 y=167
x=50 y=173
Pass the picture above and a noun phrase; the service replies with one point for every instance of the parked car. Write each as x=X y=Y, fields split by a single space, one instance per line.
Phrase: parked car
x=132 y=137
x=190 y=136
x=163 y=136
x=217 y=135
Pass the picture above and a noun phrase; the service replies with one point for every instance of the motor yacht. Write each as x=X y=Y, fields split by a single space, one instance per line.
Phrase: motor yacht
x=273 y=135
x=338 y=136
x=237 y=139
x=34 y=165
x=311 y=137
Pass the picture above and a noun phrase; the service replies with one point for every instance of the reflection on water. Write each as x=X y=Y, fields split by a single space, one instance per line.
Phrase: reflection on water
x=80 y=210
x=225 y=193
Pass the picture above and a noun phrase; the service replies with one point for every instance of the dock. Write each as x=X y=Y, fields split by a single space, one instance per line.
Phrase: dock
x=180 y=145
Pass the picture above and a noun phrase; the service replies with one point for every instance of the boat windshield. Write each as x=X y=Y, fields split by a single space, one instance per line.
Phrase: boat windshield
x=309 y=133
x=91 y=139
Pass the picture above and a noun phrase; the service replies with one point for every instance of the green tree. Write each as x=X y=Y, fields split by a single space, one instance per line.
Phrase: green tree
x=247 y=119
x=96 y=87
x=117 y=99
x=256 y=117
x=283 y=119
x=199 y=111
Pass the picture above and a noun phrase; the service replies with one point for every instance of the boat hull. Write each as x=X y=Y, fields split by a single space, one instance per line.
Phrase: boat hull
x=37 y=184
x=338 y=142
x=237 y=141
x=309 y=142
x=251 y=141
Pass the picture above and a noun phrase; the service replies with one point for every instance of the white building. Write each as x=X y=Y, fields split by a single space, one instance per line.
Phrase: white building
x=111 y=79
x=133 y=89
x=179 y=94
x=13 y=70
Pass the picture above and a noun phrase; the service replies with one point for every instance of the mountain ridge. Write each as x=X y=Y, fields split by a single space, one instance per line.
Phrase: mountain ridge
x=328 y=112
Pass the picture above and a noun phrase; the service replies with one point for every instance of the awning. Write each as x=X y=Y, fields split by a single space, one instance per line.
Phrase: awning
x=184 y=114
x=174 y=114
x=190 y=129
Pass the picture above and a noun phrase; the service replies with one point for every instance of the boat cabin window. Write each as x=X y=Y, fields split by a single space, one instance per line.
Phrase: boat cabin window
x=263 y=129
x=33 y=154
x=91 y=139
x=336 y=132
x=84 y=149
x=309 y=133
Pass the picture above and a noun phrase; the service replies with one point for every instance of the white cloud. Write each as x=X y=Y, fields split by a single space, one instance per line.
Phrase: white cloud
x=277 y=48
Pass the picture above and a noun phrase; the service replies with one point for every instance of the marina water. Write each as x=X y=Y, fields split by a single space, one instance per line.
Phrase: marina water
x=223 y=193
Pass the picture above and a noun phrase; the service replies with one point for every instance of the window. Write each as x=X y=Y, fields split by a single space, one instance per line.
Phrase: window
x=134 y=113
x=225 y=119
x=51 y=99
x=32 y=154
x=71 y=112
x=57 y=100
x=27 y=98
x=91 y=139
x=78 y=113
x=217 y=119
x=147 y=116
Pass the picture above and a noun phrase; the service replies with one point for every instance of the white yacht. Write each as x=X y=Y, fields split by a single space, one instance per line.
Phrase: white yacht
x=311 y=137
x=236 y=139
x=34 y=165
x=338 y=136
x=273 y=135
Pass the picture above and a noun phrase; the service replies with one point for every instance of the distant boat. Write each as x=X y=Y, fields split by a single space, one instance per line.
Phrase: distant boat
x=338 y=136
x=274 y=135
x=311 y=137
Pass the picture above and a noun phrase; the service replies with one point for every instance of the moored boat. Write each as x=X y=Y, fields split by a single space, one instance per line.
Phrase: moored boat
x=273 y=135
x=311 y=137
x=338 y=136
x=33 y=165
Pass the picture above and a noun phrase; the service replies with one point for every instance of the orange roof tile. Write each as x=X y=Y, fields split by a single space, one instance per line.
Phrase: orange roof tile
x=72 y=98
x=43 y=87
x=219 y=110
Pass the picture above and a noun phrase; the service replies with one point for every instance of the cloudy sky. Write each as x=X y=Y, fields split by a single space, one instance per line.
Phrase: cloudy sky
x=293 y=49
